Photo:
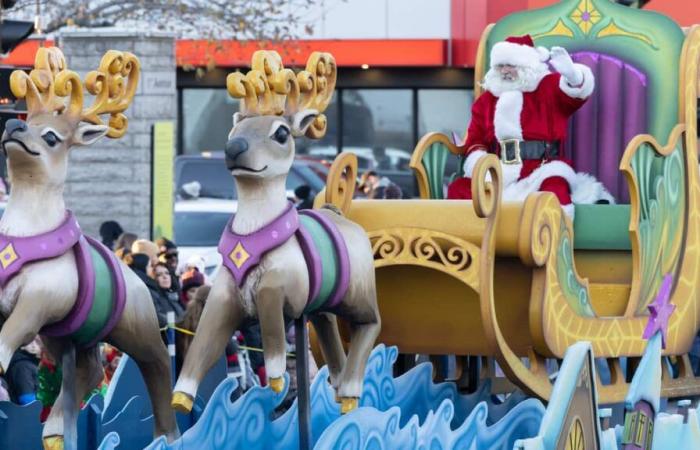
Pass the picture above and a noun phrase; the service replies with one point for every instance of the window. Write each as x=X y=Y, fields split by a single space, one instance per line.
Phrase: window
x=444 y=110
x=207 y=117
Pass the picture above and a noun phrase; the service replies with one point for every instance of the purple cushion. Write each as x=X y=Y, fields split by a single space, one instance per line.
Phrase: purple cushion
x=616 y=112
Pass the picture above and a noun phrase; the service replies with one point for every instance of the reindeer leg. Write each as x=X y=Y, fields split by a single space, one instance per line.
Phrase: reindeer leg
x=220 y=318
x=21 y=326
x=326 y=326
x=88 y=375
x=270 y=307
x=137 y=334
x=363 y=336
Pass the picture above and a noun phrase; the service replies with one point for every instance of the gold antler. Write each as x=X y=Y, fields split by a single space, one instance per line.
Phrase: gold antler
x=114 y=85
x=270 y=89
x=50 y=83
x=317 y=84
x=37 y=86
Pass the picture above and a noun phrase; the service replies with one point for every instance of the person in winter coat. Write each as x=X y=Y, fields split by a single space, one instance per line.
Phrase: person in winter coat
x=168 y=298
x=22 y=373
x=142 y=265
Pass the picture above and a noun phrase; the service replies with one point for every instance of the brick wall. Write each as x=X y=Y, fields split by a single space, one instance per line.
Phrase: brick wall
x=111 y=180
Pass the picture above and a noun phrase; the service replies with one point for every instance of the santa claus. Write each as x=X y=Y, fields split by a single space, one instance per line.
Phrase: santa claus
x=522 y=116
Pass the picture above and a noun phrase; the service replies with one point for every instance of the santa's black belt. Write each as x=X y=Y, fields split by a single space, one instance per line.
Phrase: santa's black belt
x=514 y=151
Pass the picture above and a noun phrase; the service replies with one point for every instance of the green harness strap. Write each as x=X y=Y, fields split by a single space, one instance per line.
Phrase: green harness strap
x=102 y=303
x=329 y=261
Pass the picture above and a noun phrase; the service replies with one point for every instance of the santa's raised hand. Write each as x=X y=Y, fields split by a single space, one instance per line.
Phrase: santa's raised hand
x=561 y=62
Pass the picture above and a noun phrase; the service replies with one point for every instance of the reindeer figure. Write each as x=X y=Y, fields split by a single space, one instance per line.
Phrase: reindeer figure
x=281 y=264
x=54 y=280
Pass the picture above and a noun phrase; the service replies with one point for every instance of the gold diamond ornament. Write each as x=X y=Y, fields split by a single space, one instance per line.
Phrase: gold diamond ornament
x=8 y=256
x=239 y=255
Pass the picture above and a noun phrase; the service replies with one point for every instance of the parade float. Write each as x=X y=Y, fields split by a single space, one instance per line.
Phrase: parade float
x=530 y=302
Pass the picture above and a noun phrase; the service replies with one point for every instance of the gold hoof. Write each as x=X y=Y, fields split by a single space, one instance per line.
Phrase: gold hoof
x=53 y=443
x=181 y=402
x=337 y=398
x=276 y=384
x=347 y=404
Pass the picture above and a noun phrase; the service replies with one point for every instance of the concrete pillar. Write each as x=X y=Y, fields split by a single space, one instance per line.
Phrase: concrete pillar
x=111 y=180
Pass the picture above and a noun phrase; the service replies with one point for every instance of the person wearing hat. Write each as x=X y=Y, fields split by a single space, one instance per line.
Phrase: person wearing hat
x=168 y=254
x=522 y=116
x=190 y=280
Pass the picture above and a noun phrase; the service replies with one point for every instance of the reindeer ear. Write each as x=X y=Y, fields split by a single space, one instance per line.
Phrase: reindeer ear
x=88 y=134
x=302 y=120
x=237 y=117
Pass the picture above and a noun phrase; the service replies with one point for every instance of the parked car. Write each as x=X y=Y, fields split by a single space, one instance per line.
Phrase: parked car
x=200 y=220
x=216 y=181
x=198 y=224
x=392 y=163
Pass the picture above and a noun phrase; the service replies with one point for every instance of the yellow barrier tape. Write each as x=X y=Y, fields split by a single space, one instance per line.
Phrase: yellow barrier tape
x=191 y=333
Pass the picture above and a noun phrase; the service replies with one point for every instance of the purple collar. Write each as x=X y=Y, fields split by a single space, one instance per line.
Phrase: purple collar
x=15 y=252
x=242 y=252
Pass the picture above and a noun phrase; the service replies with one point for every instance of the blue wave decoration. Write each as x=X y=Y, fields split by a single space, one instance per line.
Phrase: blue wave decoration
x=406 y=412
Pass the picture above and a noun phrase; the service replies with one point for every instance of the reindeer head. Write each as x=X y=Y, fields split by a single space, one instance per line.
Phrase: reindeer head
x=37 y=149
x=276 y=106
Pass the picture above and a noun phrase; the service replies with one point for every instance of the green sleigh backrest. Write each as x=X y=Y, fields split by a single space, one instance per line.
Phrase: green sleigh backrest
x=649 y=46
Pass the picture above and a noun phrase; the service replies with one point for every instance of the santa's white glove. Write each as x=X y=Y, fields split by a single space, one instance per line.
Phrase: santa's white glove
x=562 y=63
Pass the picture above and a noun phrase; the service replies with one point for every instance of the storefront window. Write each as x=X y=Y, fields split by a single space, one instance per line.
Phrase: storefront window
x=207 y=117
x=444 y=110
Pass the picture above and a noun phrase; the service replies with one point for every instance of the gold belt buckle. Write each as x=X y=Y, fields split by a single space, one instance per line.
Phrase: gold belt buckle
x=504 y=153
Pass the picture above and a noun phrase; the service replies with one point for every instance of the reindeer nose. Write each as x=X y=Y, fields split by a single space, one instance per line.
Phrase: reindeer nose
x=13 y=125
x=235 y=147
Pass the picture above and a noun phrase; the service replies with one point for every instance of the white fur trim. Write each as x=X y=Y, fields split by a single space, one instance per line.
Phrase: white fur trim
x=506 y=119
x=511 y=173
x=586 y=87
x=187 y=386
x=585 y=189
x=471 y=161
x=275 y=365
x=569 y=210
x=516 y=55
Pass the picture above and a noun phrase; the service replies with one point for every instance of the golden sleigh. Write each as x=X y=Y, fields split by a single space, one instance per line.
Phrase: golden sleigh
x=519 y=282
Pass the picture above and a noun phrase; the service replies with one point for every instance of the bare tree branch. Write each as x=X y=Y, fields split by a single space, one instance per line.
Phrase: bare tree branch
x=208 y=19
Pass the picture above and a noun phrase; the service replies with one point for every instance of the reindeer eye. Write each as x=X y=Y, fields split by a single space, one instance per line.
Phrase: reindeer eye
x=50 y=138
x=281 y=134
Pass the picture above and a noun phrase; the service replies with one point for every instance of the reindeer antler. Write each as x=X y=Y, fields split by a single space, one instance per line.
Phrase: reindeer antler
x=113 y=93
x=270 y=89
x=37 y=86
x=50 y=83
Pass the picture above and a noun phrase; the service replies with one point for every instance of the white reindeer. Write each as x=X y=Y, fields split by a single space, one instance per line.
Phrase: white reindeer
x=273 y=269
x=54 y=280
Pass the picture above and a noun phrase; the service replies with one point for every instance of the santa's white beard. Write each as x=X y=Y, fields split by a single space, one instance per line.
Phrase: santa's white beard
x=528 y=80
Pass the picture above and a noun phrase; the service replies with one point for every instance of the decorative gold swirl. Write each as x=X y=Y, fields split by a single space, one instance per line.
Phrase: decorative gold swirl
x=387 y=246
x=486 y=194
x=47 y=87
x=317 y=93
x=270 y=89
x=543 y=216
x=37 y=86
x=342 y=177
x=114 y=85
x=428 y=248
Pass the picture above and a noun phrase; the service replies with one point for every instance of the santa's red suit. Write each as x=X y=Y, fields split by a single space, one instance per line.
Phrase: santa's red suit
x=537 y=111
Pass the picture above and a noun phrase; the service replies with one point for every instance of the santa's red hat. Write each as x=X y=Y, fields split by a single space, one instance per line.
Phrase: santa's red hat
x=518 y=51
